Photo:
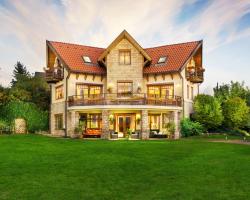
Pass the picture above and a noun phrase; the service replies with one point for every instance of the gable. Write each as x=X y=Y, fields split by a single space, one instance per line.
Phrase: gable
x=124 y=35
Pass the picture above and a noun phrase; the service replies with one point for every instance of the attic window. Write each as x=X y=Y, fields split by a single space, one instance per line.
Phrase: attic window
x=162 y=60
x=86 y=59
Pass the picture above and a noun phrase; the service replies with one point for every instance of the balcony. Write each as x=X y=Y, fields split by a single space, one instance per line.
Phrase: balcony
x=128 y=99
x=195 y=74
x=53 y=75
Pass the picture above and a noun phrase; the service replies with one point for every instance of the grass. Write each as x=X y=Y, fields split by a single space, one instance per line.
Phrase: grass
x=38 y=167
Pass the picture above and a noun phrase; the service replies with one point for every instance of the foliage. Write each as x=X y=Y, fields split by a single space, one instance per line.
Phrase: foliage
x=207 y=111
x=235 y=111
x=3 y=124
x=171 y=127
x=234 y=89
x=190 y=128
x=243 y=132
x=79 y=128
x=35 y=118
x=20 y=73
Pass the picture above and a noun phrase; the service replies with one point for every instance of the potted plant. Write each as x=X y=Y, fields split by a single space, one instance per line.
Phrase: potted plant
x=171 y=128
x=78 y=130
x=129 y=133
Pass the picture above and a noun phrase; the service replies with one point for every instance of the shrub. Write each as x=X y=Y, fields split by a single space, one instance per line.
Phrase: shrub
x=171 y=127
x=235 y=111
x=36 y=119
x=207 y=111
x=190 y=128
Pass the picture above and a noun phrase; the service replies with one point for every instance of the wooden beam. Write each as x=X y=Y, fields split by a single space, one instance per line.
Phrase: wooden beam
x=155 y=77
x=164 y=76
x=85 y=76
x=93 y=78
x=77 y=76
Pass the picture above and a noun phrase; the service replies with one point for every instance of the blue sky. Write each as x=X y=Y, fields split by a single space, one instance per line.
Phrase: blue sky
x=224 y=26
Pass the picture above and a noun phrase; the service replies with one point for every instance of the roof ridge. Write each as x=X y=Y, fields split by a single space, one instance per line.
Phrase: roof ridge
x=174 y=44
x=76 y=44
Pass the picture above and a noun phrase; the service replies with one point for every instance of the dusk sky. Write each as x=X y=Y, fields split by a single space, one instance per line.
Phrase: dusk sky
x=224 y=26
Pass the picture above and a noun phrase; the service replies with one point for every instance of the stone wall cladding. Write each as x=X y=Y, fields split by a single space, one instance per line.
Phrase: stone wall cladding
x=176 y=117
x=57 y=108
x=144 y=125
x=117 y=72
x=105 y=125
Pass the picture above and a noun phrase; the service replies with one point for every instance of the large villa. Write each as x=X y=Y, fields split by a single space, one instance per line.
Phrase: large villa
x=122 y=88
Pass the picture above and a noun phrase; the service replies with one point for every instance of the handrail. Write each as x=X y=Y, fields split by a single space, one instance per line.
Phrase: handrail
x=124 y=99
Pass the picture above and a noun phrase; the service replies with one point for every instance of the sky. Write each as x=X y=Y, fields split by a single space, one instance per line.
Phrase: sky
x=223 y=25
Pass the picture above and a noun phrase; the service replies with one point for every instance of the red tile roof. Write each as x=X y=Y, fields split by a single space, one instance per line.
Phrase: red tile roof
x=177 y=55
x=72 y=54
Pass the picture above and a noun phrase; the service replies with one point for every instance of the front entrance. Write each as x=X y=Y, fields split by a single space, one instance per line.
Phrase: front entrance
x=124 y=122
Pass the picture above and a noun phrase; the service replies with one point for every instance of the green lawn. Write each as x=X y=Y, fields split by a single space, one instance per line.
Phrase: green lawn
x=38 y=167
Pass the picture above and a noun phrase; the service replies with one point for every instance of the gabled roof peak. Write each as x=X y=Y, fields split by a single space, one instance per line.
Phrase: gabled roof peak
x=122 y=35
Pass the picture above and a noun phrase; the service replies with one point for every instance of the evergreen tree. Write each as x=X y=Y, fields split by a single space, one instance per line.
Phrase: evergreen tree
x=19 y=73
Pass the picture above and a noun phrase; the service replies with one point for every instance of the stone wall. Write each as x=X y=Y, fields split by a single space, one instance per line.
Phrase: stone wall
x=117 y=72
x=144 y=125
x=105 y=125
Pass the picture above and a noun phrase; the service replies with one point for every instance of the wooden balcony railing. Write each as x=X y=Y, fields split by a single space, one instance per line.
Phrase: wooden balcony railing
x=53 y=75
x=195 y=75
x=128 y=99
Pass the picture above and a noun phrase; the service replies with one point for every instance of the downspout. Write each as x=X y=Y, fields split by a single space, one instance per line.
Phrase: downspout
x=66 y=106
x=183 y=107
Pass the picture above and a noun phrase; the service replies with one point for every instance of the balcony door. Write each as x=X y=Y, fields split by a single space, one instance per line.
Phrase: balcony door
x=125 y=122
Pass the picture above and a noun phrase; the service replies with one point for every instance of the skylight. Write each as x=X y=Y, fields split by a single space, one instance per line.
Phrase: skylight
x=86 y=59
x=162 y=60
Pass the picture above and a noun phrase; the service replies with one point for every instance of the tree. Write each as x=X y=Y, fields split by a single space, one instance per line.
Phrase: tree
x=19 y=73
x=234 y=89
x=235 y=111
x=207 y=111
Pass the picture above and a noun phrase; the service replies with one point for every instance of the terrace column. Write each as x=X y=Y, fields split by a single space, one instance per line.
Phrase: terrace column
x=144 y=125
x=105 y=124
x=177 y=124
x=73 y=119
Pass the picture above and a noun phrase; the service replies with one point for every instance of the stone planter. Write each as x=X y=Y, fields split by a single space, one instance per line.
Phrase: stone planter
x=76 y=135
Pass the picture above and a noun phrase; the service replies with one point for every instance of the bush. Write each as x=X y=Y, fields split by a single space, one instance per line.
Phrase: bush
x=235 y=111
x=36 y=119
x=207 y=111
x=190 y=128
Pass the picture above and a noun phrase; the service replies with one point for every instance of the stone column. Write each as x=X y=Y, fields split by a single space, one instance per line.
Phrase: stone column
x=177 y=124
x=72 y=121
x=144 y=125
x=105 y=124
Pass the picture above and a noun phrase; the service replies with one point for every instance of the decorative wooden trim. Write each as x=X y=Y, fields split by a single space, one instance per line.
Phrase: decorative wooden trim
x=77 y=76
x=93 y=78
x=155 y=77
x=163 y=76
x=101 y=78
x=85 y=76
x=172 y=77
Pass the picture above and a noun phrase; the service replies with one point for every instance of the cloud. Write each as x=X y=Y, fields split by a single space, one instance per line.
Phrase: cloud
x=29 y=23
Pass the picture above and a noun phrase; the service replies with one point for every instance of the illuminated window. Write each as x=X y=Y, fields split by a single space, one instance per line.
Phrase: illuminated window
x=161 y=91
x=59 y=92
x=59 y=121
x=88 y=91
x=124 y=57
x=94 y=121
x=154 y=122
x=86 y=59
x=124 y=88
x=162 y=60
